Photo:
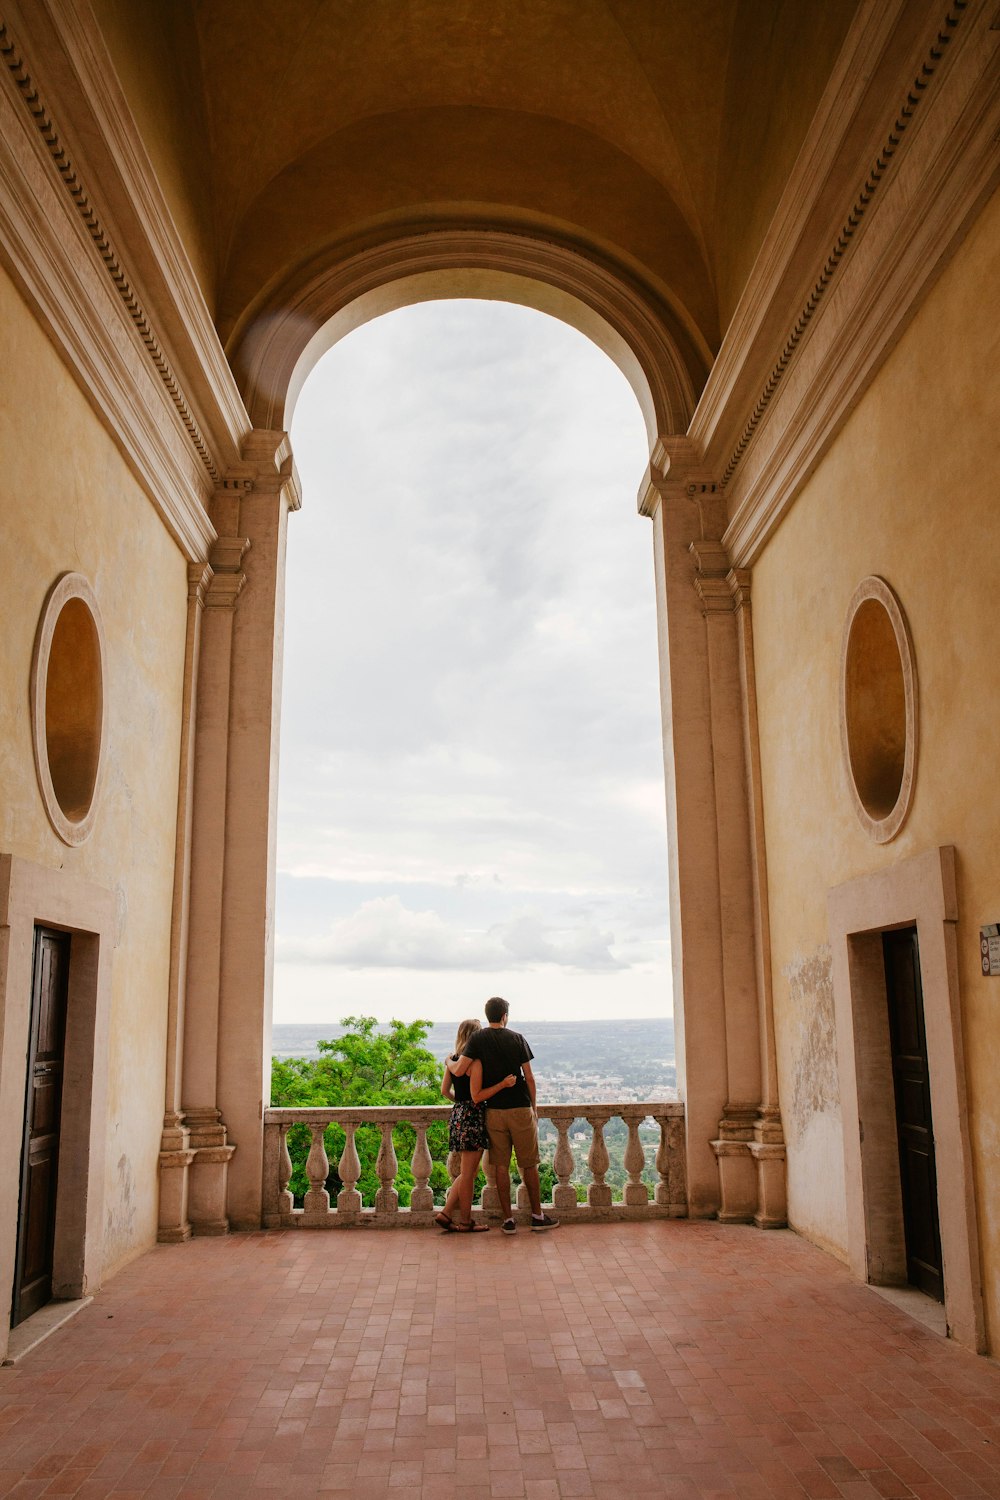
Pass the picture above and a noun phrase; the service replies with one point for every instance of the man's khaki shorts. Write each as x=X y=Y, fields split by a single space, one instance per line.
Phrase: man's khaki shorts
x=515 y=1128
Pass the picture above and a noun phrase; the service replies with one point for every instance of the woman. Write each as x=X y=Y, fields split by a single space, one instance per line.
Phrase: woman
x=466 y=1134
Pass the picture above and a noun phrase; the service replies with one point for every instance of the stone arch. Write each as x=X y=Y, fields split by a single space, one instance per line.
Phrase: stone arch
x=281 y=339
x=734 y=1151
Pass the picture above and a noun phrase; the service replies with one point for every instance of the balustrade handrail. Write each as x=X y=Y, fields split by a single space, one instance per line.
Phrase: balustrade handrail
x=669 y=1198
x=407 y=1114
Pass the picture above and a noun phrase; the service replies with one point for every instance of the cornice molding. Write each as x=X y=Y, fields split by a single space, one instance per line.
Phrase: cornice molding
x=934 y=166
x=784 y=271
x=138 y=213
x=51 y=243
x=81 y=201
x=862 y=202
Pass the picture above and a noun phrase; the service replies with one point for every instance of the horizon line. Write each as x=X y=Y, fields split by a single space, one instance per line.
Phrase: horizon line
x=528 y=1021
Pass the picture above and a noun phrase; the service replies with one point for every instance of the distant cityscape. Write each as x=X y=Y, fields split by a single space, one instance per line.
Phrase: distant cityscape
x=575 y=1061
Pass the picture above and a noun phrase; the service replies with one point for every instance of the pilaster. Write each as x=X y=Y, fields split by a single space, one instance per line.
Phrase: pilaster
x=720 y=936
x=175 y=1154
x=268 y=490
x=682 y=503
x=768 y=1148
x=198 y=1083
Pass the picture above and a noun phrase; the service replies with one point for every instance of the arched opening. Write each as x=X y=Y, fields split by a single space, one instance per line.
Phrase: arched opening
x=698 y=641
x=472 y=786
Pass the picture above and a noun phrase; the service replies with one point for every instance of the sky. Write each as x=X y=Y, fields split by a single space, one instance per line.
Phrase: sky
x=471 y=777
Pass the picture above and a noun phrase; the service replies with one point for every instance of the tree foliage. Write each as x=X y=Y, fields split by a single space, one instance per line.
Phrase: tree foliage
x=364 y=1066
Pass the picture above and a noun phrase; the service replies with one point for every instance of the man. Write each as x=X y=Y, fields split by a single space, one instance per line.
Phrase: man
x=511 y=1117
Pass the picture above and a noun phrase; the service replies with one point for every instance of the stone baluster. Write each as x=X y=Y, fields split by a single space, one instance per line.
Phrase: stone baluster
x=286 y=1201
x=317 y=1200
x=671 y=1189
x=598 y=1193
x=386 y=1167
x=662 y=1194
x=454 y=1164
x=491 y=1198
x=636 y=1194
x=564 y=1193
x=422 y=1196
x=522 y=1201
x=349 y=1171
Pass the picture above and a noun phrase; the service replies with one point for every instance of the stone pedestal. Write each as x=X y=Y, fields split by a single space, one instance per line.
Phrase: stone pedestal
x=772 y=1208
x=737 y=1176
x=176 y=1156
x=209 y=1172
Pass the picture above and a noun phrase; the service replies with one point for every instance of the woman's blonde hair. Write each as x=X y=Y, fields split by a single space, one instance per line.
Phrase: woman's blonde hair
x=465 y=1030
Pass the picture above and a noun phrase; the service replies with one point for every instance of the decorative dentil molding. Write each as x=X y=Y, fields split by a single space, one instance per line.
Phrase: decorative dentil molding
x=935 y=166
x=82 y=202
x=863 y=199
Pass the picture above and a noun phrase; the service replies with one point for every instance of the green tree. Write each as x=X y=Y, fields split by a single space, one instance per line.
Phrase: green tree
x=365 y=1066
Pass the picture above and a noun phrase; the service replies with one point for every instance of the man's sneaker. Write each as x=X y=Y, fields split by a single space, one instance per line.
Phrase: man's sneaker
x=543 y=1223
x=508 y=1226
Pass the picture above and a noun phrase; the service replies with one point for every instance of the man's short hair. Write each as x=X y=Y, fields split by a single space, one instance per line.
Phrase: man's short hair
x=496 y=1009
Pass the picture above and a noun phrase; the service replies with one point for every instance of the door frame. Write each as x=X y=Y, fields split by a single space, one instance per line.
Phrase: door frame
x=921 y=892
x=32 y=895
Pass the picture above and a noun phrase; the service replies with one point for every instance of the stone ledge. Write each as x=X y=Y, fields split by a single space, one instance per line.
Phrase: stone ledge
x=36 y=1329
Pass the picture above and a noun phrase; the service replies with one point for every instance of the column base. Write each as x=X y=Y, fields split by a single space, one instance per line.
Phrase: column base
x=176 y=1156
x=772 y=1203
x=737 y=1182
x=209 y=1172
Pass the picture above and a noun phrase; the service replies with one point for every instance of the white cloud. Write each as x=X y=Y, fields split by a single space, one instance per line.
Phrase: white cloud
x=385 y=934
x=471 y=681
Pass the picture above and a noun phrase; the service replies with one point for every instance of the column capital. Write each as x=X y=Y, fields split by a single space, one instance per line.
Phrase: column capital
x=267 y=466
x=676 y=467
x=712 y=577
x=739 y=586
x=226 y=578
x=199 y=577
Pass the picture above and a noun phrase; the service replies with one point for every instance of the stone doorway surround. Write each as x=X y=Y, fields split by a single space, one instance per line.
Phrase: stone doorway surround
x=31 y=894
x=920 y=890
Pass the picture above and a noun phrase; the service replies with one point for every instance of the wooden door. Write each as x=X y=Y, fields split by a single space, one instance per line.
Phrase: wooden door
x=40 y=1150
x=914 y=1126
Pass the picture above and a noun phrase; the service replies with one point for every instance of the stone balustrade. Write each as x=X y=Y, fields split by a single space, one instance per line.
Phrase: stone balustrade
x=666 y=1200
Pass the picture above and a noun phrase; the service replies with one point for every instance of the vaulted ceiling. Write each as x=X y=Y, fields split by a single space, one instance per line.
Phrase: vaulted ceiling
x=654 y=133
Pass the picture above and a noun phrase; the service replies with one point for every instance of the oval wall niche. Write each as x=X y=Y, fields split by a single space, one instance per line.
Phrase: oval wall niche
x=68 y=712
x=878 y=709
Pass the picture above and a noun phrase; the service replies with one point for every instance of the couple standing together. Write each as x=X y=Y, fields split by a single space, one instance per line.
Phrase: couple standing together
x=489 y=1078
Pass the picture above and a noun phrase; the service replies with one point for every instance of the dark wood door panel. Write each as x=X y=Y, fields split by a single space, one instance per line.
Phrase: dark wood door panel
x=42 y=1111
x=914 y=1123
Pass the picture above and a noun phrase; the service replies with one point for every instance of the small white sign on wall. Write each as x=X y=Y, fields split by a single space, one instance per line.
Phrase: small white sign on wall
x=989 y=947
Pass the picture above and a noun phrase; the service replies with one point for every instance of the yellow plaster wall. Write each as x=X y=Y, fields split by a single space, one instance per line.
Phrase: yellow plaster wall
x=70 y=504
x=906 y=491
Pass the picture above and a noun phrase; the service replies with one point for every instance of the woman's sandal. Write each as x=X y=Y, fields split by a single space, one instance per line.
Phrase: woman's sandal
x=444 y=1220
x=470 y=1228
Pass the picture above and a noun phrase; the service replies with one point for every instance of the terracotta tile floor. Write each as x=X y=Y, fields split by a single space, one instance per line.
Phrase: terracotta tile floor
x=666 y=1359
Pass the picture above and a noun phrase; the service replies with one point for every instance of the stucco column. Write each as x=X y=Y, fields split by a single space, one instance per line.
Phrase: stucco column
x=768 y=1145
x=676 y=505
x=199 y=1079
x=737 y=1172
x=176 y=1154
x=718 y=941
x=269 y=491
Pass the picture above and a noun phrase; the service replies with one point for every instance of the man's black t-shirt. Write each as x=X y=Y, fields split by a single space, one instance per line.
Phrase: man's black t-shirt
x=501 y=1052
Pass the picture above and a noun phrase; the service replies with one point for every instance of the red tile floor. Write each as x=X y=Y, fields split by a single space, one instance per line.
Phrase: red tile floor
x=668 y=1359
